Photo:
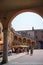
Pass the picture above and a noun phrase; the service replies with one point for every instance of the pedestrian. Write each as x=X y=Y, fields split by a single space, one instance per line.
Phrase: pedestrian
x=27 y=50
x=31 y=49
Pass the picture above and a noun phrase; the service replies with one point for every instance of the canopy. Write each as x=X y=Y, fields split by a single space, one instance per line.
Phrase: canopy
x=16 y=46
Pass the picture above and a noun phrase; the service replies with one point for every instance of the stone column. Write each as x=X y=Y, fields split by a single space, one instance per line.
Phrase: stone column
x=5 y=49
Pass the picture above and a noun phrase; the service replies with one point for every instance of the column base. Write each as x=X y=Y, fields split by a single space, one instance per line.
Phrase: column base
x=4 y=62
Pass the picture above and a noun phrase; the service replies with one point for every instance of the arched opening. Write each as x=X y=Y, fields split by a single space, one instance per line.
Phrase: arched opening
x=30 y=18
x=24 y=24
x=19 y=39
x=19 y=7
x=28 y=22
x=15 y=37
x=24 y=40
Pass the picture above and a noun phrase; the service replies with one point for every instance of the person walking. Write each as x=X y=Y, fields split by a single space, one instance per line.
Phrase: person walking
x=27 y=50
x=31 y=49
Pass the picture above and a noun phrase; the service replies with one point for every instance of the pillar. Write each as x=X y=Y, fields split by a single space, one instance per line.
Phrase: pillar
x=5 y=49
x=5 y=40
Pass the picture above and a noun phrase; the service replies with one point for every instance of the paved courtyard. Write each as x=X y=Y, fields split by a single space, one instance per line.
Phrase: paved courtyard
x=25 y=59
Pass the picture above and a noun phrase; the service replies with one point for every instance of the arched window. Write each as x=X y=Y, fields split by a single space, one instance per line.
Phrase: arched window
x=28 y=40
x=24 y=39
x=15 y=37
x=19 y=39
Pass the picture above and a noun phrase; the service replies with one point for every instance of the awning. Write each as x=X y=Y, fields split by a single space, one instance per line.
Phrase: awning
x=16 y=46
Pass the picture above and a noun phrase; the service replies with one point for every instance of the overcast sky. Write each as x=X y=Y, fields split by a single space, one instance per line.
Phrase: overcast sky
x=27 y=20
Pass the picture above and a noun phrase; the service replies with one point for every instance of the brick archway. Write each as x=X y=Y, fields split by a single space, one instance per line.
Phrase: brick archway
x=22 y=11
x=9 y=11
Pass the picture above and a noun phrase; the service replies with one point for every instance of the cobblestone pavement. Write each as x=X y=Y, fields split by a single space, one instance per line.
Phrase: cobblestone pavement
x=27 y=59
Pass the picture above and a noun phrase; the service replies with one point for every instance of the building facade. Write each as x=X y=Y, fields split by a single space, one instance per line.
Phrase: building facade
x=36 y=35
x=9 y=38
x=39 y=38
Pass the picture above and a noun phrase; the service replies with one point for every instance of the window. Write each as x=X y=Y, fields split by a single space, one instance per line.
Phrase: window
x=19 y=39
x=42 y=36
x=24 y=39
x=36 y=37
x=15 y=37
x=42 y=31
x=29 y=34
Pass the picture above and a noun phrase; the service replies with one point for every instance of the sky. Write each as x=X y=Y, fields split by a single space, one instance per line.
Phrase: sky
x=27 y=20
